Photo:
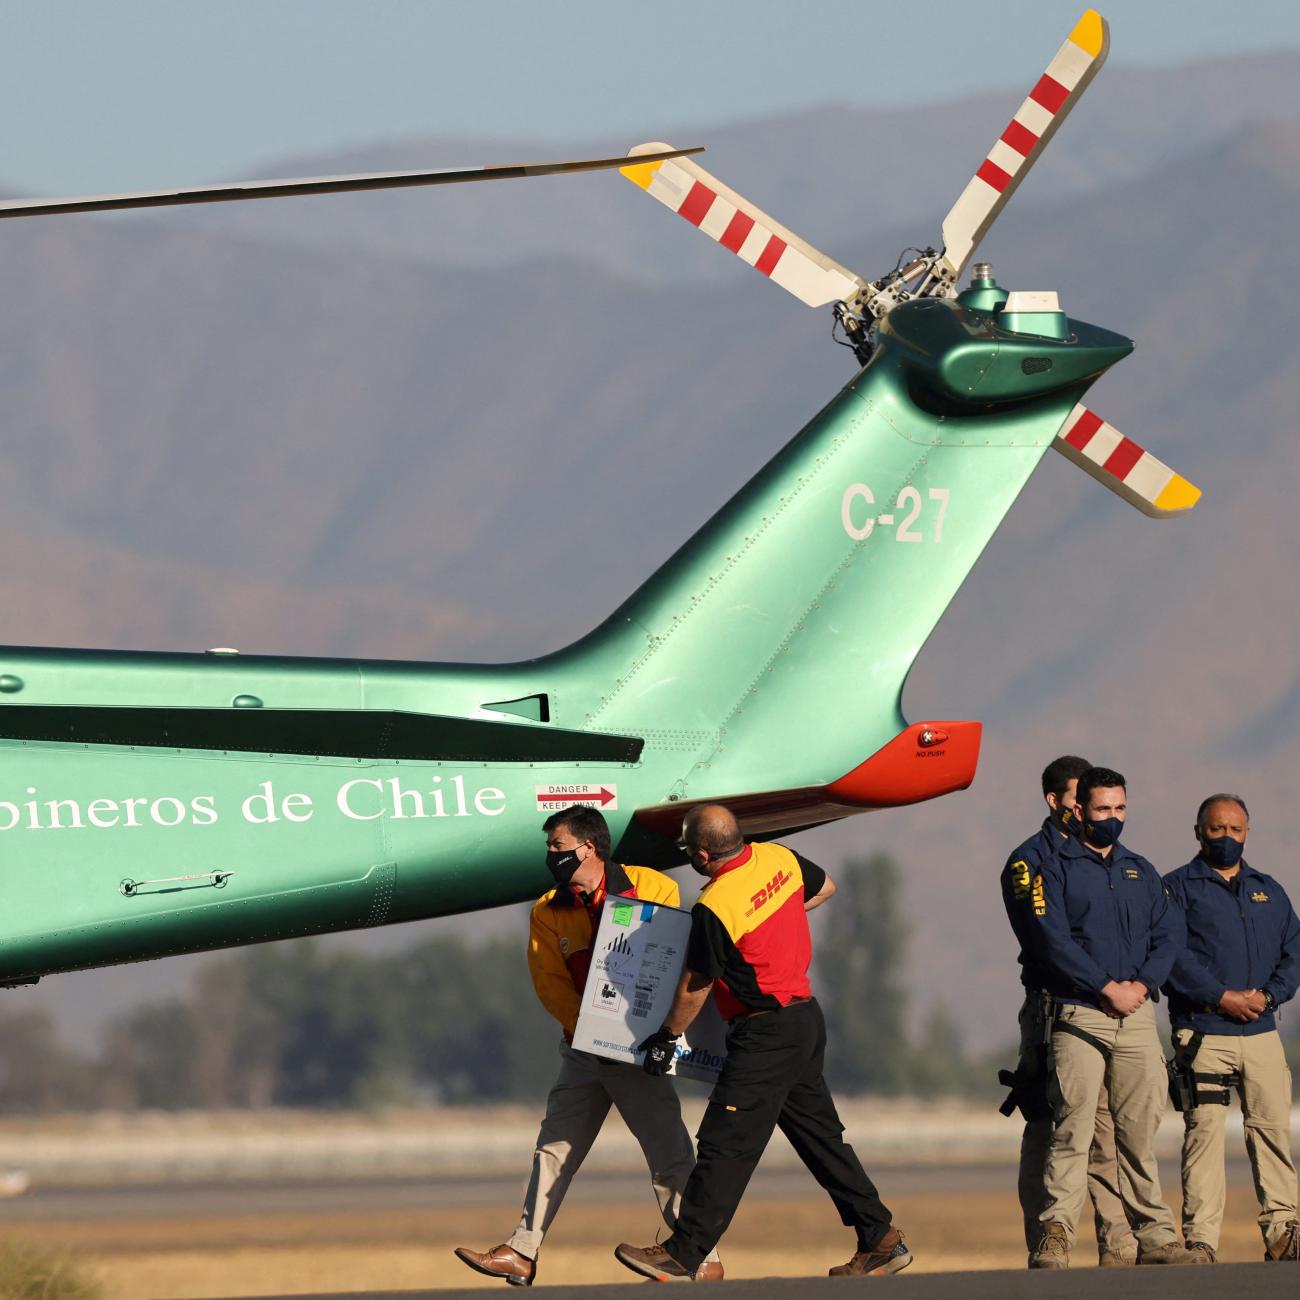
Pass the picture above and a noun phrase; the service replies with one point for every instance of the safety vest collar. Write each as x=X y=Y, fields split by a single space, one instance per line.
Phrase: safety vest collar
x=739 y=860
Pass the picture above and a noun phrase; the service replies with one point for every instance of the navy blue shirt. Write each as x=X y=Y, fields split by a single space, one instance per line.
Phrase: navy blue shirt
x=1023 y=869
x=1102 y=919
x=1242 y=933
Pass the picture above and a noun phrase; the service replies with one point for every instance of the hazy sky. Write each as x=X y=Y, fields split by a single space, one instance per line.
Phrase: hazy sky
x=100 y=95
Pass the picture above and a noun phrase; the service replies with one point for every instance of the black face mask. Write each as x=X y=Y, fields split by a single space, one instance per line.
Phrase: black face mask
x=1104 y=832
x=1066 y=820
x=1222 y=851
x=562 y=863
x=695 y=866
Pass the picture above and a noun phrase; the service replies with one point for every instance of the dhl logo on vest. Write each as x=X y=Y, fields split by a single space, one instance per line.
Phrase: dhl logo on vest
x=768 y=892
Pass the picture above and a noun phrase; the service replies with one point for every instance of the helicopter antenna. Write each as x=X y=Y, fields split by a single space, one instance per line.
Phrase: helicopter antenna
x=312 y=185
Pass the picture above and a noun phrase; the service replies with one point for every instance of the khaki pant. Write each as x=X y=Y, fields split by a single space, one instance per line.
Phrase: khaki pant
x=575 y=1110
x=1109 y=1220
x=1133 y=1070
x=1265 y=1094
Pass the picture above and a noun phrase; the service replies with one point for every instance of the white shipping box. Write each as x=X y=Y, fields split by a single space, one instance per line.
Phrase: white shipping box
x=637 y=959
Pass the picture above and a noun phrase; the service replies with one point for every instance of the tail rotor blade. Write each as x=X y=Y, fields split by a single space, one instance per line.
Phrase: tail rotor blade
x=1126 y=469
x=1018 y=148
x=312 y=185
x=737 y=224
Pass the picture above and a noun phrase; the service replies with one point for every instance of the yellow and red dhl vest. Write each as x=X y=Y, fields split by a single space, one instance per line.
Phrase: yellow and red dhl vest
x=750 y=930
x=561 y=929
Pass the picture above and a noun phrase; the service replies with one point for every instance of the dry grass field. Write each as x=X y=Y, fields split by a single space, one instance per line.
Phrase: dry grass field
x=194 y=1205
x=366 y=1250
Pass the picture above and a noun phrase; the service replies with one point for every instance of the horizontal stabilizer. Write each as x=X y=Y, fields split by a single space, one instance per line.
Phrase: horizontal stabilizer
x=1123 y=466
x=736 y=224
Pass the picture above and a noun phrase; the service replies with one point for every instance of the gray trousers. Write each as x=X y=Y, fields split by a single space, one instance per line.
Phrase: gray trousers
x=579 y=1100
x=1109 y=1220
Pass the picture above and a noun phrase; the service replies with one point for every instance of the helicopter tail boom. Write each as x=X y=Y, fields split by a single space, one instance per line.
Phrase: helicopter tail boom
x=769 y=655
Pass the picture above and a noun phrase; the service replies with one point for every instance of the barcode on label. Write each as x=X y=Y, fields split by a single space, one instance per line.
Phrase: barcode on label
x=641 y=1001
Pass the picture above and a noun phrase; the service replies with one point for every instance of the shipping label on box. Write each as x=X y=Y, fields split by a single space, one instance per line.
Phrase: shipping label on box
x=637 y=958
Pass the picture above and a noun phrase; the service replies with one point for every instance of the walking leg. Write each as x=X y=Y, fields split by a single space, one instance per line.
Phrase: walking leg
x=575 y=1110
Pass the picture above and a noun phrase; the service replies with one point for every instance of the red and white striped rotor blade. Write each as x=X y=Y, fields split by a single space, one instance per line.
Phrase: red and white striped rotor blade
x=735 y=223
x=1018 y=147
x=1127 y=469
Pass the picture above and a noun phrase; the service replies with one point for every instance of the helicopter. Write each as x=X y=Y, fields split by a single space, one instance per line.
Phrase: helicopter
x=154 y=804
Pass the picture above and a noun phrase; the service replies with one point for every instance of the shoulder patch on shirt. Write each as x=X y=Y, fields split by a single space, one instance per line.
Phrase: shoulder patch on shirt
x=1039 y=897
x=1021 y=881
x=1259 y=896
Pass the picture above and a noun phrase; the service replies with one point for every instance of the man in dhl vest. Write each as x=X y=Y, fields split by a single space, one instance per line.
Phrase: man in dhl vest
x=561 y=931
x=751 y=946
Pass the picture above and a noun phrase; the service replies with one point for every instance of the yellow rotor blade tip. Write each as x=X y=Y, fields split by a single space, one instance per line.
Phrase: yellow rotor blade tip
x=1178 y=495
x=1090 y=32
x=641 y=173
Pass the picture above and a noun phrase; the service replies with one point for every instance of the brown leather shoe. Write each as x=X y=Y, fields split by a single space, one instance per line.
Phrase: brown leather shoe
x=889 y=1255
x=500 y=1261
x=657 y=1264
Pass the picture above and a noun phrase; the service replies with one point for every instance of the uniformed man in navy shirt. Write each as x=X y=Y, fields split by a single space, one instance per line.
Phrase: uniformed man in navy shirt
x=1241 y=962
x=1115 y=1242
x=1107 y=936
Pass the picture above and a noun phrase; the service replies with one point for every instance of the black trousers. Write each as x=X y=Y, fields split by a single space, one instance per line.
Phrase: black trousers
x=772 y=1078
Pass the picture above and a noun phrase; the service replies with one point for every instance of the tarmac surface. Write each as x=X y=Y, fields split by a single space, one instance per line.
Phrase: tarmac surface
x=1258 y=1281
x=186 y=1201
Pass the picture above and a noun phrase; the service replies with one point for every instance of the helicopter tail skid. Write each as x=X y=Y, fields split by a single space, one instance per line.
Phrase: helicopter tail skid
x=1126 y=469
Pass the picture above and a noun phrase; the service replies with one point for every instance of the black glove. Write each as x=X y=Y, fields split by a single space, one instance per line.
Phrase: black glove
x=659 y=1050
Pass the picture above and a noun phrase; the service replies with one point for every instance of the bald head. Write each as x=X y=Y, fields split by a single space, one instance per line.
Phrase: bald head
x=714 y=829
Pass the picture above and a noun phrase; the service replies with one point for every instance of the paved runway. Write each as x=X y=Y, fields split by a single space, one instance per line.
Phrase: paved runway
x=1258 y=1281
x=186 y=1201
